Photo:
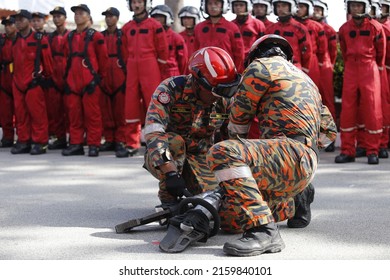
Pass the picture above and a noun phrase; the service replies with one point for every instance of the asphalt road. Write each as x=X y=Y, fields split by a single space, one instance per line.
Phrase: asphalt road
x=65 y=208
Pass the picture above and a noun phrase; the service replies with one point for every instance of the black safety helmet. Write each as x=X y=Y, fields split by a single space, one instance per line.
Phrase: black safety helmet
x=267 y=46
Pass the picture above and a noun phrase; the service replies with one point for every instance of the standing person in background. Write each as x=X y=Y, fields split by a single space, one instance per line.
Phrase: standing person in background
x=32 y=68
x=6 y=96
x=363 y=49
x=147 y=48
x=189 y=17
x=178 y=53
x=113 y=97
x=218 y=32
x=262 y=9
x=250 y=28
x=295 y=33
x=319 y=43
x=326 y=68
x=38 y=22
x=55 y=93
x=86 y=69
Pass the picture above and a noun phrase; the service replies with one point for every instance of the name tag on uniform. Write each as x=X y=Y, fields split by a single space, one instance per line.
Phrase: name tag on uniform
x=219 y=116
x=181 y=109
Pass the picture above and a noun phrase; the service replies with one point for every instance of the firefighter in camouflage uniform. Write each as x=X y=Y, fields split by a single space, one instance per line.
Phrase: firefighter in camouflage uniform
x=182 y=120
x=260 y=176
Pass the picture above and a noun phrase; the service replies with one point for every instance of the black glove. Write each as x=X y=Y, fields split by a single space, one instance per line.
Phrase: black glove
x=175 y=183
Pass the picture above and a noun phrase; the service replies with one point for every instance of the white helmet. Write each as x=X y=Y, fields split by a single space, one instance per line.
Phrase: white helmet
x=165 y=11
x=367 y=5
x=322 y=4
x=377 y=8
x=310 y=6
x=386 y=3
x=203 y=6
x=148 y=5
x=190 y=11
x=293 y=5
x=248 y=5
x=264 y=2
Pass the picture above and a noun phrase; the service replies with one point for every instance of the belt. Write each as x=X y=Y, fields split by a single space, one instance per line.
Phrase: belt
x=304 y=140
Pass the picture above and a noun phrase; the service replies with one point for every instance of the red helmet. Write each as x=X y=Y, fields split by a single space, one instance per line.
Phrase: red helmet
x=214 y=69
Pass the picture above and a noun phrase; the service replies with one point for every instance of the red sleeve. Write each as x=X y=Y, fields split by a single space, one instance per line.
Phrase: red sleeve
x=181 y=54
x=322 y=43
x=101 y=54
x=46 y=58
x=161 y=43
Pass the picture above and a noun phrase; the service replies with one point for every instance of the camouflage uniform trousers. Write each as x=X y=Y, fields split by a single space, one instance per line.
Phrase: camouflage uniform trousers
x=260 y=178
x=193 y=169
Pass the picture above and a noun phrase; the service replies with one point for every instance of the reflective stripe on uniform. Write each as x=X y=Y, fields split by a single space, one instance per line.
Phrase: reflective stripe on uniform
x=155 y=127
x=375 y=131
x=236 y=128
x=133 y=121
x=233 y=173
x=348 y=129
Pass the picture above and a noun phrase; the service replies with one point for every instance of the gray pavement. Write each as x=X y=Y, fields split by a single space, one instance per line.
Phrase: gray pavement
x=65 y=208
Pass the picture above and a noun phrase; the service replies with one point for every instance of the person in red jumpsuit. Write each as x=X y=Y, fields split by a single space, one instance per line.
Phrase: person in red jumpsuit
x=327 y=66
x=384 y=19
x=219 y=32
x=32 y=68
x=251 y=28
x=294 y=32
x=262 y=9
x=6 y=97
x=363 y=48
x=319 y=42
x=147 y=48
x=178 y=53
x=86 y=69
x=189 y=17
x=113 y=98
x=55 y=92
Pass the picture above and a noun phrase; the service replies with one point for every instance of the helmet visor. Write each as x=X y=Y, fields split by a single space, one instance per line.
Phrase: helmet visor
x=226 y=90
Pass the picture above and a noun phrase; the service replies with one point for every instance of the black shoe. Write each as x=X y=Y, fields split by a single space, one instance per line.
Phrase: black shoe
x=343 y=158
x=73 y=150
x=38 y=149
x=121 y=150
x=58 y=144
x=383 y=153
x=256 y=241
x=330 y=148
x=360 y=152
x=372 y=159
x=6 y=143
x=302 y=215
x=93 y=151
x=107 y=146
x=21 y=148
x=132 y=151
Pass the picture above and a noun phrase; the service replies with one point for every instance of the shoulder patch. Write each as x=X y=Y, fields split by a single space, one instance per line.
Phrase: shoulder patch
x=163 y=98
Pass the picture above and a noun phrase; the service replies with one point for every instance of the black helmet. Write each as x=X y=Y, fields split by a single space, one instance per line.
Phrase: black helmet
x=267 y=46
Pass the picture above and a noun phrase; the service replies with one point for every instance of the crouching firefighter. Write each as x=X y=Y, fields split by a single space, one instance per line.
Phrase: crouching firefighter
x=86 y=67
x=185 y=115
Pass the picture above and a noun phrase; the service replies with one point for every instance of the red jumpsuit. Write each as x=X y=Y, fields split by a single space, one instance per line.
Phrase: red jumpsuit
x=178 y=55
x=363 y=49
x=266 y=21
x=113 y=99
x=29 y=97
x=251 y=30
x=225 y=35
x=82 y=94
x=189 y=39
x=326 y=69
x=55 y=95
x=147 y=48
x=6 y=98
x=319 y=45
x=298 y=37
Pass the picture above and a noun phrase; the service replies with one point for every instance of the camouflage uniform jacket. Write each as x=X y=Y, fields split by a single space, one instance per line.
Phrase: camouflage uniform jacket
x=286 y=102
x=176 y=108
